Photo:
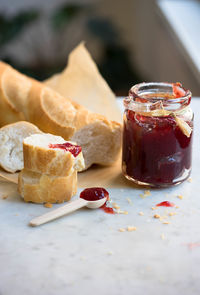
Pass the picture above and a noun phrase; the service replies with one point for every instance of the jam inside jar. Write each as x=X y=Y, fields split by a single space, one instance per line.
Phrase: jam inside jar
x=157 y=134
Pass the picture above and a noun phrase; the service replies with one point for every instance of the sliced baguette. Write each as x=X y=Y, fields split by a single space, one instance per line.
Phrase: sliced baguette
x=11 y=144
x=98 y=141
x=40 y=188
x=56 y=114
x=41 y=158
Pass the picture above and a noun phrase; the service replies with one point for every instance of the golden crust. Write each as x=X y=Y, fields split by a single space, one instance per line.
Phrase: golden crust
x=9 y=114
x=51 y=112
x=50 y=161
x=22 y=125
x=41 y=188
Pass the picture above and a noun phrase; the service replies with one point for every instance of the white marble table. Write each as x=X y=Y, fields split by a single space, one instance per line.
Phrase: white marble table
x=85 y=253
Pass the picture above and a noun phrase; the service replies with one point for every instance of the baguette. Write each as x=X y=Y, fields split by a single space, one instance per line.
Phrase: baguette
x=40 y=188
x=40 y=157
x=11 y=147
x=24 y=98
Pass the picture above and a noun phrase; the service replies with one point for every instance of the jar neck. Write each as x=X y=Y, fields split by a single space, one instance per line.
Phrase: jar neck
x=148 y=97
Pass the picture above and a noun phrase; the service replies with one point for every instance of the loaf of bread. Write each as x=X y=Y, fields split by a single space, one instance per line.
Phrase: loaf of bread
x=11 y=144
x=49 y=154
x=41 y=188
x=22 y=98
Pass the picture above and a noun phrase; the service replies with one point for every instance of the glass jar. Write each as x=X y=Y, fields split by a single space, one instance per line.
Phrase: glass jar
x=157 y=134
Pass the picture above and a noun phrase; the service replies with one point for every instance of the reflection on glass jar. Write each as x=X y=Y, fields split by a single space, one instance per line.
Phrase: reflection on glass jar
x=157 y=134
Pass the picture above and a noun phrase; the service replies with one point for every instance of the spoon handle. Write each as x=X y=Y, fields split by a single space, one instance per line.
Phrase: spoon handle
x=63 y=210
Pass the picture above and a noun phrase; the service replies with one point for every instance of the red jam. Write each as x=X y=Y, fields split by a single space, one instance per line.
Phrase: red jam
x=155 y=150
x=95 y=194
x=165 y=204
x=67 y=146
x=178 y=91
x=107 y=209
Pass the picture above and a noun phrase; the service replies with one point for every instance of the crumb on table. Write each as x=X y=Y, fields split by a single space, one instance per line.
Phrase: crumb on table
x=166 y=222
x=129 y=201
x=115 y=206
x=156 y=216
x=172 y=213
x=4 y=197
x=131 y=228
x=121 y=211
x=122 y=230
x=48 y=205
x=180 y=197
x=146 y=193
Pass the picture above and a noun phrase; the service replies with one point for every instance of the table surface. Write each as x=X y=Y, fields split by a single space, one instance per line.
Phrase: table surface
x=85 y=251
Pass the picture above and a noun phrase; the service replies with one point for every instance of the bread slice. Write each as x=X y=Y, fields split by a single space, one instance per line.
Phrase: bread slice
x=11 y=144
x=40 y=188
x=42 y=156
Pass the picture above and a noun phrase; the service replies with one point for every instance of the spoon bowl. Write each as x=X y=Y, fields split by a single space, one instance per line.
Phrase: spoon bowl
x=96 y=204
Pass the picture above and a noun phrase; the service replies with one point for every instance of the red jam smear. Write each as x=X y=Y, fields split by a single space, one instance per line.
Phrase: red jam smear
x=95 y=194
x=178 y=90
x=67 y=146
x=107 y=209
x=165 y=204
x=155 y=150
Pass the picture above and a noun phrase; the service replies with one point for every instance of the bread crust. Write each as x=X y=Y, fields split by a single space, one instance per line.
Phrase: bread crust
x=22 y=124
x=51 y=161
x=51 y=112
x=41 y=188
x=9 y=113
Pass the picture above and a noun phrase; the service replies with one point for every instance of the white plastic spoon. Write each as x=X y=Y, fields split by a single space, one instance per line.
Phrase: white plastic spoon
x=68 y=208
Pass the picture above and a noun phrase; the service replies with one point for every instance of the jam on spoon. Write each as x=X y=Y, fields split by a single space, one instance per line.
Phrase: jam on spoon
x=97 y=193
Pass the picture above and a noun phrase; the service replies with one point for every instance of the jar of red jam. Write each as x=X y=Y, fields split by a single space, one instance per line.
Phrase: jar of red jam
x=157 y=134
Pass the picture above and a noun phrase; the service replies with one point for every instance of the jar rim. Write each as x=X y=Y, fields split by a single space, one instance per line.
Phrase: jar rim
x=134 y=91
x=150 y=95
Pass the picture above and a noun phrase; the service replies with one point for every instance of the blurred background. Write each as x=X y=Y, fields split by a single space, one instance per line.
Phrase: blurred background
x=131 y=40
